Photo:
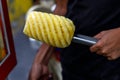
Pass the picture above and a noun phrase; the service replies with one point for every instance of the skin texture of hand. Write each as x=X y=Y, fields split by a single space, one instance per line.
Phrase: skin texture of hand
x=108 y=44
x=61 y=7
x=39 y=72
x=60 y=11
x=39 y=69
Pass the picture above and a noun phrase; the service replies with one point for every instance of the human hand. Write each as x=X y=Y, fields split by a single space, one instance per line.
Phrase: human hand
x=60 y=10
x=108 y=44
x=39 y=72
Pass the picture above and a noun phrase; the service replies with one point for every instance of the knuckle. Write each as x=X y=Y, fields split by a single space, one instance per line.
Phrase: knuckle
x=104 y=51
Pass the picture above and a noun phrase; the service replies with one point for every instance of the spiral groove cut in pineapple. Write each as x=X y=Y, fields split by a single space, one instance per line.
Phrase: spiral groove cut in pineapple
x=49 y=28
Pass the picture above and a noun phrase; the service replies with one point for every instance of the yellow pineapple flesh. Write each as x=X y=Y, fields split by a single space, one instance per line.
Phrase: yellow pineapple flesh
x=52 y=29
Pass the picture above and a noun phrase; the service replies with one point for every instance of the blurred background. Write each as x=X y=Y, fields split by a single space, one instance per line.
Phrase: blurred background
x=26 y=48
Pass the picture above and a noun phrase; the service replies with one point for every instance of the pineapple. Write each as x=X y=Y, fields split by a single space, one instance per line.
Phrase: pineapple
x=49 y=28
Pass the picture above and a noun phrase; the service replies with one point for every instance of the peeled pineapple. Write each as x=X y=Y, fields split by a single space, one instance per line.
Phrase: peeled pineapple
x=49 y=28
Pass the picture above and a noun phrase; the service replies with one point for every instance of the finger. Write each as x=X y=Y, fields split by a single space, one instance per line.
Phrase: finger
x=109 y=58
x=98 y=36
x=45 y=73
x=99 y=52
x=113 y=56
x=45 y=70
x=103 y=51
x=96 y=47
x=35 y=72
x=46 y=77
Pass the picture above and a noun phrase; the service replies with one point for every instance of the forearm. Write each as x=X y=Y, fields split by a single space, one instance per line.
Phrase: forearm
x=44 y=54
